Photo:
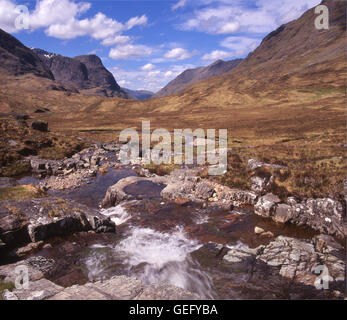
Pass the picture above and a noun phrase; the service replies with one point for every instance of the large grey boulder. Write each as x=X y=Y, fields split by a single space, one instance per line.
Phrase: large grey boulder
x=266 y=205
x=32 y=220
x=301 y=260
x=204 y=190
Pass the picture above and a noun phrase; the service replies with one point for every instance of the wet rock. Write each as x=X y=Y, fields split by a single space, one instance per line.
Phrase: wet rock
x=204 y=190
x=33 y=220
x=103 y=225
x=258 y=230
x=267 y=234
x=39 y=125
x=6 y=182
x=123 y=288
x=266 y=205
x=178 y=190
x=283 y=213
x=30 y=248
x=240 y=254
x=116 y=288
x=116 y=193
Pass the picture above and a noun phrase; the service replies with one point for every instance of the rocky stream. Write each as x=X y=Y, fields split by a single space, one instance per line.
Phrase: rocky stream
x=103 y=230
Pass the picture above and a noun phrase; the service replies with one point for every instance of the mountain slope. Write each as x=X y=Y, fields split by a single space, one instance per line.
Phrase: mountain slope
x=85 y=73
x=16 y=59
x=191 y=76
x=138 y=94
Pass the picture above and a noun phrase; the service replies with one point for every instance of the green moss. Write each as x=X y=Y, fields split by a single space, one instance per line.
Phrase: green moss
x=20 y=193
x=5 y=286
x=16 y=169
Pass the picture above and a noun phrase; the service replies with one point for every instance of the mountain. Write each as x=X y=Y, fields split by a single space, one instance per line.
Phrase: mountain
x=192 y=76
x=138 y=94
x=16 y=59
x=85 y=74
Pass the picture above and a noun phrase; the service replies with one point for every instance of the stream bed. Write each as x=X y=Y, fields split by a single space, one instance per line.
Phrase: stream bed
x=160 y=241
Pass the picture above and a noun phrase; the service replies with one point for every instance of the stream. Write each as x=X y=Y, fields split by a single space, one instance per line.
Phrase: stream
x=156 y=240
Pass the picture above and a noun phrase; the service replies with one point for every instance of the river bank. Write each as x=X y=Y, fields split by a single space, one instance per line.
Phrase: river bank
x=180 y=229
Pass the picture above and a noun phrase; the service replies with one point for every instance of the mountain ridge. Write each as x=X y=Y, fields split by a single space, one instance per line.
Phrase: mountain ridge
x=84 y=73
x=192 y=76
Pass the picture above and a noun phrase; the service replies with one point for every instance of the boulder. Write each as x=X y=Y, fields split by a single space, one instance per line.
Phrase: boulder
x=237 y=197
x=323 y=214
x=33 y=220
x=261 y=184
x=254 y=164
x=204 y=190
x=301 y=260
x=258 y=230
x=283 y=213
x=266 y=205
x=39 y=125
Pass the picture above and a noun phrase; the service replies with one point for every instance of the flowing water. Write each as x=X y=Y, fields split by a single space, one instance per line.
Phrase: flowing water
x=156 y=241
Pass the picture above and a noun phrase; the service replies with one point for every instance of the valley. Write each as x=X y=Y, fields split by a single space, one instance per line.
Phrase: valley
x=88 y=226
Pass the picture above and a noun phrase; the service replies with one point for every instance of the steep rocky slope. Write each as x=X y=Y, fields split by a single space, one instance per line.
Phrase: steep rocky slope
x=16 y=59
x=84 y=73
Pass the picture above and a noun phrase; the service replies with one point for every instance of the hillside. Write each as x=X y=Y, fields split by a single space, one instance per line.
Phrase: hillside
x=85 y=74
x=16 y=59
x=138 y=94
x=191 y=76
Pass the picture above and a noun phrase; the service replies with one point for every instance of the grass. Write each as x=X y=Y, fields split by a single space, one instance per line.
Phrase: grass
x=5 y=286
x=162 y=169
x=20 y=192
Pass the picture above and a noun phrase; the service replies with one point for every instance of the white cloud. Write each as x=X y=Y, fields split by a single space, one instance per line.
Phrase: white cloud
x=152 y=80
x=237 y=46
x=137 y=21
x=229 y=16
x=56 y=12
x=148 y=67
x=216 y=55
x=179 y=4
x=240 y=45
x=118 y=39
x=61 y=19
x=178 y=54
x=129 y=51
x=229 y=27
x=8 y=15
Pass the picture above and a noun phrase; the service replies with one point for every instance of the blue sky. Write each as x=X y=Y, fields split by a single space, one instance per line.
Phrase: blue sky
x=147 y=43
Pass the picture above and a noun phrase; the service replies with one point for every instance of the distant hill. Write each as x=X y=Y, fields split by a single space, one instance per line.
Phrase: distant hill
x=85 y=74
x=138 y=94
x=192 y=76
x=16 y=59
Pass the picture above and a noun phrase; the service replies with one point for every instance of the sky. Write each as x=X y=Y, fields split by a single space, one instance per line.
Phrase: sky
x=147 y=43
